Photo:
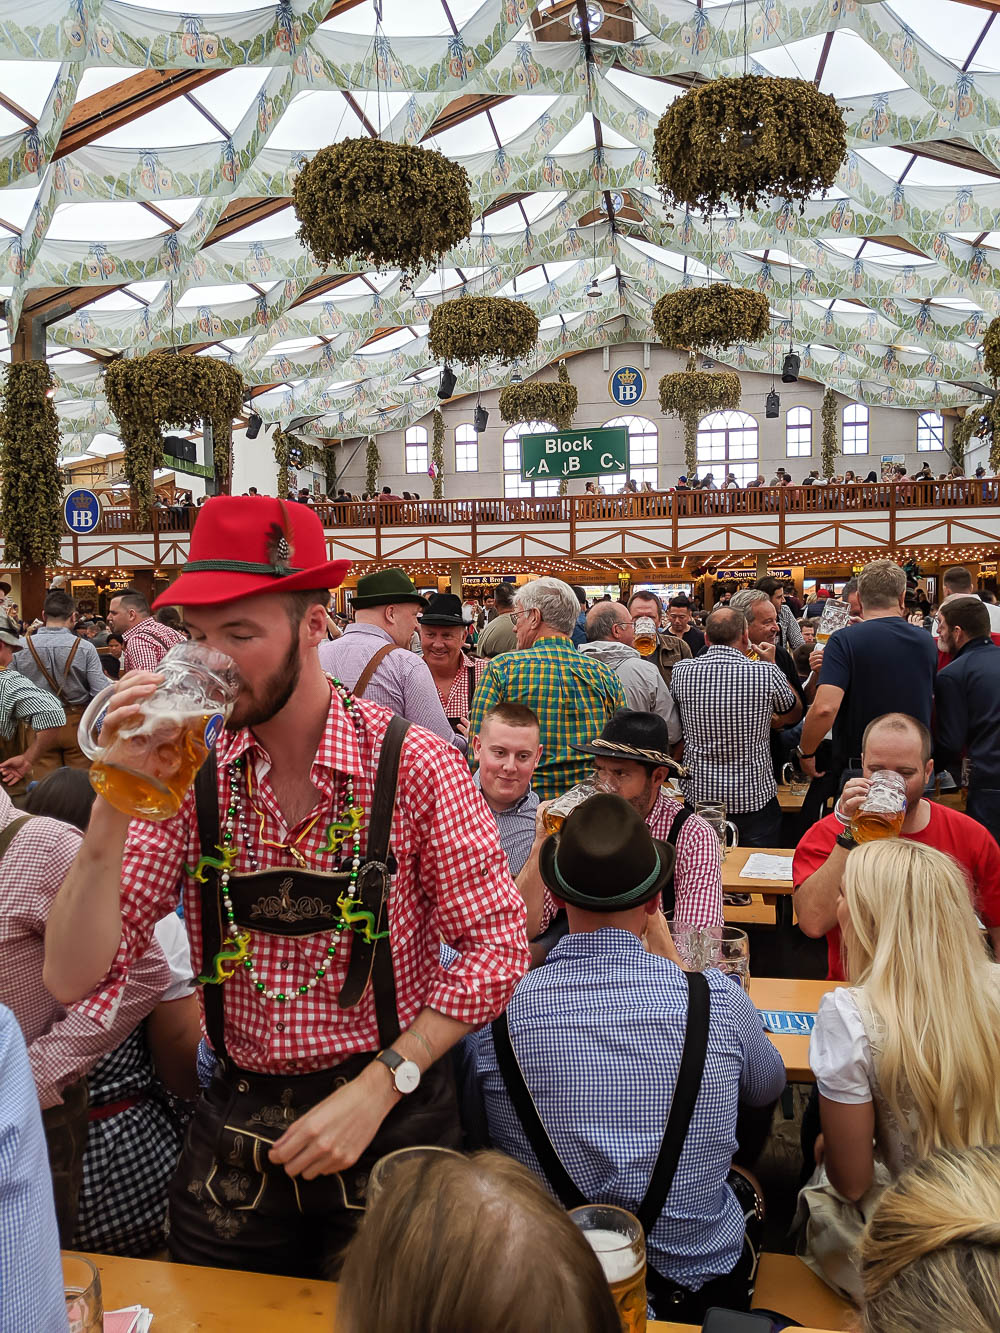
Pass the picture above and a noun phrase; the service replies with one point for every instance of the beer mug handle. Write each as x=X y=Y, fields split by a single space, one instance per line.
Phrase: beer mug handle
x=731 y=828
x=90 y=724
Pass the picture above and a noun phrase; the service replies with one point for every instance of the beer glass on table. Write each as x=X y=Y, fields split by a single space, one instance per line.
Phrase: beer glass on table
x=714 y=814
x=82 y=1285
x=881 y=813
x=724 y=947
x=616 y=1238
x=836 y=614
x=147 y=767
x=644 y=641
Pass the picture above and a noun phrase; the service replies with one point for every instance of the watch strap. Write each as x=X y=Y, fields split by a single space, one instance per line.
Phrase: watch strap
x=846 y=840
x=390 y=1058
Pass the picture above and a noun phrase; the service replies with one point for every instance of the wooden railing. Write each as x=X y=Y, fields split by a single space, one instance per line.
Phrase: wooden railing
x=764 y=502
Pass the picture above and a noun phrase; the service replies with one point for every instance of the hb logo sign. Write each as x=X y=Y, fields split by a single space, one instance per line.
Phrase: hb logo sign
x=82 y=511
x=626 y=386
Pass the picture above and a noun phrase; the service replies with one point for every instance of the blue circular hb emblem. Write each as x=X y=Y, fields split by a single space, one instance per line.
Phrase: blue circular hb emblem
x=627 y=385
x=82 y=511
x=213 y=729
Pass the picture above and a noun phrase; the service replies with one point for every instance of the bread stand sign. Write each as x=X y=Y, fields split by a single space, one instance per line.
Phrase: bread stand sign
x=574 y=453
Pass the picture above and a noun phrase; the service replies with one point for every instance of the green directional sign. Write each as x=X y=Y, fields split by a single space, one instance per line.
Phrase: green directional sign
x=574 y=453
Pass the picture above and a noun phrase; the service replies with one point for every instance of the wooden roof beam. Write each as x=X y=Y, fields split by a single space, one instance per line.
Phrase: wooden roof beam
x=93 y=117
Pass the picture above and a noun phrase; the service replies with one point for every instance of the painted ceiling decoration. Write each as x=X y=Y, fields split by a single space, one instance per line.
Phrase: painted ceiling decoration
x=884 y=286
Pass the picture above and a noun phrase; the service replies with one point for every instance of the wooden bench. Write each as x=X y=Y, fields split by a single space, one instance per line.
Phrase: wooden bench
x=786 y=1285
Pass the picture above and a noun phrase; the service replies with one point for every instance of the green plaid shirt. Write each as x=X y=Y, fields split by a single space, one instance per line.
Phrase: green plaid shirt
x=573 y=695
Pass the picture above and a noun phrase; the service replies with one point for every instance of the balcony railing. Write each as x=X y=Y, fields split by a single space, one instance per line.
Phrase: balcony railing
x=763 y=502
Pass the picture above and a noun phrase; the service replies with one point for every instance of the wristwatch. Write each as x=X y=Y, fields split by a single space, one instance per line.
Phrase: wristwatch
x=802 y=755
x=405 y=1073
x=846 y=840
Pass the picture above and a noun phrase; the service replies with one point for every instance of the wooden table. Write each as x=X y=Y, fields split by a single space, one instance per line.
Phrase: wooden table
x=737 y=859
x=798 y=997
x=789 y=800
x=221 y=1300
x=756 y=913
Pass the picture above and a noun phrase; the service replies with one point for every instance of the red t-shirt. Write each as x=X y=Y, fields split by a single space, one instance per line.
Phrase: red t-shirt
x=949 y=831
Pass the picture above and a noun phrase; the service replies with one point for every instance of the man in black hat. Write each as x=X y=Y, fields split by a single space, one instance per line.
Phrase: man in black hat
x=583 y=1071
x=373 y=659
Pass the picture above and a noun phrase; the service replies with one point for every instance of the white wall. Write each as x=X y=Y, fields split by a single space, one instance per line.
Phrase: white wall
x=891 y=431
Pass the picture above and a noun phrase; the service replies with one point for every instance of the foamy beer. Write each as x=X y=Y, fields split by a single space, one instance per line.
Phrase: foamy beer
x=146 y=767
x=836 y=614
x=645 y=636
x=882 y=812
x=555 y=815
x=616 y=1238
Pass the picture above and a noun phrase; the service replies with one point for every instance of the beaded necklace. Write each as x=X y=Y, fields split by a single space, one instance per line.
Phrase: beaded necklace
x=236 y=951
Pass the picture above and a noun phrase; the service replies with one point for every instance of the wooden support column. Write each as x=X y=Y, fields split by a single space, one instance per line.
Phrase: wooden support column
x=142 y=581
x=455 y=578
x=761 y=564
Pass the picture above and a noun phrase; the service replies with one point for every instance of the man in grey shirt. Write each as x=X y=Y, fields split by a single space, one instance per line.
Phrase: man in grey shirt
x=56 y=659
x=372 y=657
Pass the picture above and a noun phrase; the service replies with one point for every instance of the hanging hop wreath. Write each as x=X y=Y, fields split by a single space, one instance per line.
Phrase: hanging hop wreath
x=381 y=205
x=482 y=328
x=149 y=393
x=283 y=458
x=437 y=454
x=31 y=499
x=981 y=420
x=540 y=402
x=828 y=450
x=373 y=465
x=991 y=349
x=690 y=394
x=747 y=138
x=714 y=316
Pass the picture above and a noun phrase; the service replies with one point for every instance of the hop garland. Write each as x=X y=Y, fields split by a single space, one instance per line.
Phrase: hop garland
x=745 y=139
x=149 y=393
x=991 y=349
x=282 y=456
x=437 y=454
x=373 y=465
x=828 y=450
x=482 y=328
x=714 y=316
x=982 y=420
x=690 y=394
x=31 y=500
x=382 y=205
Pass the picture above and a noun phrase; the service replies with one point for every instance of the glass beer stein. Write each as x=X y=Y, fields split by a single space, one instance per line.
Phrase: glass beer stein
x=645 y=636
x=148 y=765
x=836 y=615
x=881 y=813
x=82 y=1284
x=616 y=1238
x=555 y=816
x=714 y=814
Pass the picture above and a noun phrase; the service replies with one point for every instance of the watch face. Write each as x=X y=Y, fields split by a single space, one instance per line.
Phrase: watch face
x=407 y=1076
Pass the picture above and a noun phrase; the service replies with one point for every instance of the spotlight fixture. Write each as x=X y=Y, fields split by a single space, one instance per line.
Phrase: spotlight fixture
x=594 y=290
x=480 y=419
x=516 y=377
x=448 y=381
x=253 y=426
x=790 y=368
x=772 y=404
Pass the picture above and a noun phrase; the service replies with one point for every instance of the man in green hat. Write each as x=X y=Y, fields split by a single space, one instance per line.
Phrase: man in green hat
x=372 y=657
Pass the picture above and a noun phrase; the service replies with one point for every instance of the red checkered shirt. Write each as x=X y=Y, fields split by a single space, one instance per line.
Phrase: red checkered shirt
x=62 y=1044
x=453 y=884
x=697 y=869
x=459 y=700
x=146 y=643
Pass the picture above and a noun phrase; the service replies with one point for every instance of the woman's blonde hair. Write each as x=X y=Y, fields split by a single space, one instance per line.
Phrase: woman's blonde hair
x=470 y=1245
x=914 y=946
x=930 y=1258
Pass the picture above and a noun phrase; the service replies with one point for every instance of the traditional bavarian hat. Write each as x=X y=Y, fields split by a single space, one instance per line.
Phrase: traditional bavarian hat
x=629 y=734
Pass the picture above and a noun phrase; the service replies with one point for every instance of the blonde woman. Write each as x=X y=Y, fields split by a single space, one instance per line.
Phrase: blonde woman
x=906 y=1059
x=930 y=1258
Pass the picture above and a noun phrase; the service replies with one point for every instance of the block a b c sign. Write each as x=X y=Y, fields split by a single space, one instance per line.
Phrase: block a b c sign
x=626 y=385
x=82 y=511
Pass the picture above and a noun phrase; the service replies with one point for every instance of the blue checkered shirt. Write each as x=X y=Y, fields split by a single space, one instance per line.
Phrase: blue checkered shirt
x=516 y=826
x=31 y=1286
x=598 y=1033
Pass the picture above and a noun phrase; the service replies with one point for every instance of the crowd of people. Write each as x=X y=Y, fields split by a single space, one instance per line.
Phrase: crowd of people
x=360 y=933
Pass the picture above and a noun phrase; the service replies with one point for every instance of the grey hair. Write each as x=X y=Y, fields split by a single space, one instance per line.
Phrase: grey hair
x=554 y=600
x=880 y=585
x=602 y=619
x=747 y=600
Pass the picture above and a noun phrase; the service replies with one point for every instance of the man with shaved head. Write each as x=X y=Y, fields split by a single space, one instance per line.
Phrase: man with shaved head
x=728 y=705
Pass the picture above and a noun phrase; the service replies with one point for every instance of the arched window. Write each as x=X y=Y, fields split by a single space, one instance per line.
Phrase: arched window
x=466 y=448
x=728 y=442
x=415 y=449
x=643 y=449
x=930 y=432
x=512 y=483
x=855 y=429
x=798 y=432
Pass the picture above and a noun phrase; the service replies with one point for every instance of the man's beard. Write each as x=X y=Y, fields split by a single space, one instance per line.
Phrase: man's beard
x=643 y=803
x=255 y=706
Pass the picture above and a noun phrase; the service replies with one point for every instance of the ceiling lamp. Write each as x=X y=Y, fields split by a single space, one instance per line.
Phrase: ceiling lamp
x=594 y=290
x=516 y=377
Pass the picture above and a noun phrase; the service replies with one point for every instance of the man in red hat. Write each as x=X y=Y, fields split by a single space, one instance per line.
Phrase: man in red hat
x=324 y=999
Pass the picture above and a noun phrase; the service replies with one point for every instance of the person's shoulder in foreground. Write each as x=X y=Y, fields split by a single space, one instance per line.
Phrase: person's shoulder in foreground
x=32 y=1299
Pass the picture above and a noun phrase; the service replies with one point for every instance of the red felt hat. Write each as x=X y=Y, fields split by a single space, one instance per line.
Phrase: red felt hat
x=244 y=545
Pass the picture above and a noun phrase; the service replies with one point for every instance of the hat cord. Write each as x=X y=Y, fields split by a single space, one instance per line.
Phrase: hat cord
x=620 y=899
